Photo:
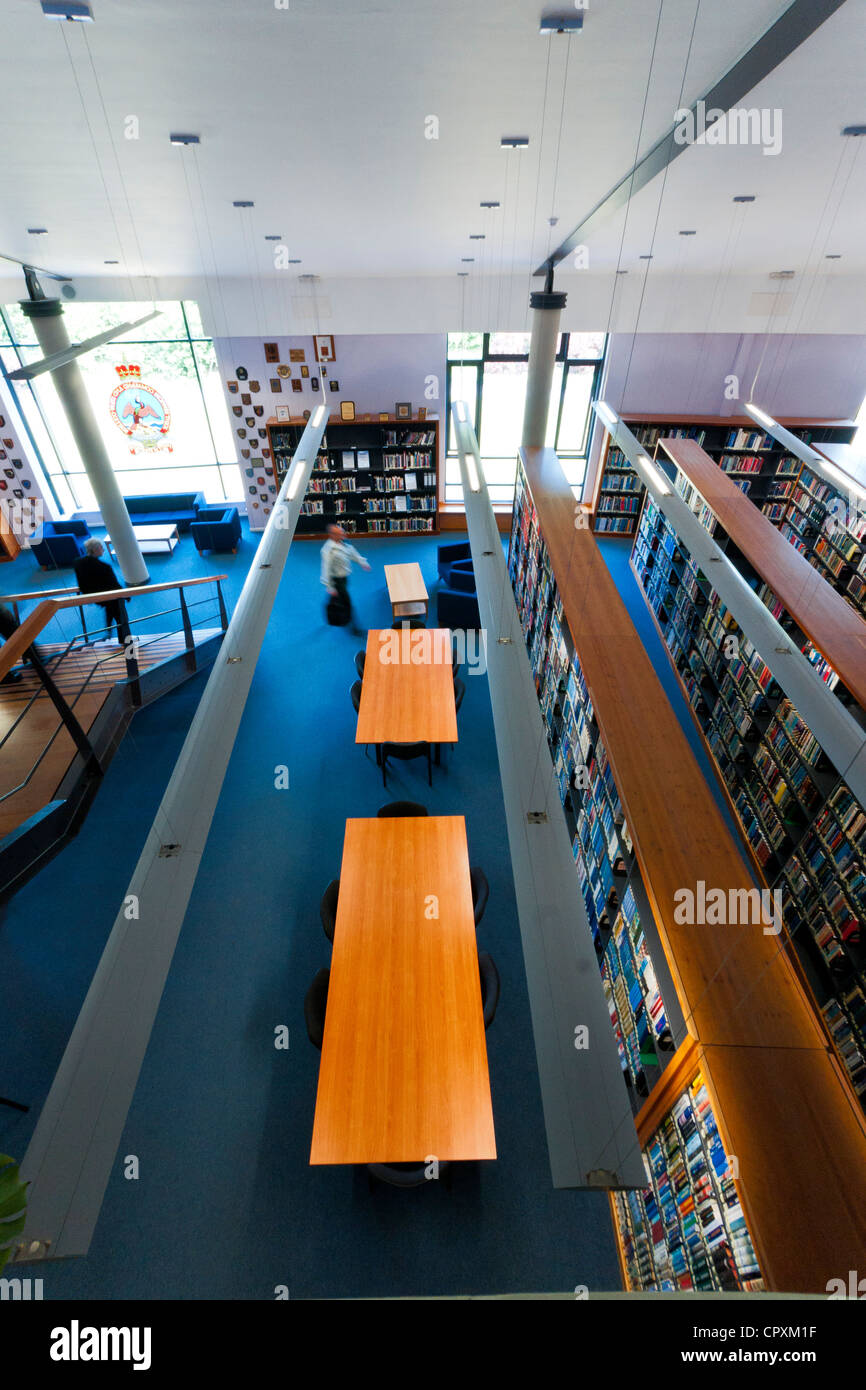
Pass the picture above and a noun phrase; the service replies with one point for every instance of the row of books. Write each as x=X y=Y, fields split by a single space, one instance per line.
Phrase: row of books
x=804 y=826
x=686 y=1230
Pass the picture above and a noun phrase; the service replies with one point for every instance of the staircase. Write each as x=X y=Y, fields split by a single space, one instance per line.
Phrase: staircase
x=54 y=748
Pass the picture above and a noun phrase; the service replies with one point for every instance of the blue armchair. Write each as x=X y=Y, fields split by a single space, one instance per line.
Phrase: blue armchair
x=61 y=544
x=217 y=528
x=457 y=603
x=448 y=555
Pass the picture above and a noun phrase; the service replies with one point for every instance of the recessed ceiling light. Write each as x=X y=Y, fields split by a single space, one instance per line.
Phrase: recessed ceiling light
x=514 y=142
x=273 y=236
x=489 y=205
x=242 y=203
x=688 y=233
x=177 y=139
x=745 y=198
x=833 y=256
x=37 y=231
x=854 y=130
x=781 y=274
x=461 y=274
x=111 y=262
x=622 y=272
x=644 y=258
x=292 y=261
x=467 y=259
x=558 y=23
x=477 y=236
x=67 y=9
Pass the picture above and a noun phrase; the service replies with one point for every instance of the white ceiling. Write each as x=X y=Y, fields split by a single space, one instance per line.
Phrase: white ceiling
x=317 y=113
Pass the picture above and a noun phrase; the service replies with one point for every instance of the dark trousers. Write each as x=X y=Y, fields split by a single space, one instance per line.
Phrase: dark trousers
x=115 y=612
x=342 y=587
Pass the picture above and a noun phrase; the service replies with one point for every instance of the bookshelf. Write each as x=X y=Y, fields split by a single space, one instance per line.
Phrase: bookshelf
x=804 y=830
x=757 y=464
x=372 y=477
x=748 y=1048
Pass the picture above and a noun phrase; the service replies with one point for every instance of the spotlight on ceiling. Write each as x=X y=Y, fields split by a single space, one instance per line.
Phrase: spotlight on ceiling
x=184 y=139
x=560 y=22
x=745 y=198
x=67 y=9
x=688 y=233
x=273 y=236
x=854 y=130
x=243 y=203
x=37 y=231
x=514 y=142
x=489 y=205
x=111 y=262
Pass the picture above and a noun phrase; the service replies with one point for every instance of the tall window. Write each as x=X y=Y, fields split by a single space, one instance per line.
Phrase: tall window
x=156 y=395
x=489 y=372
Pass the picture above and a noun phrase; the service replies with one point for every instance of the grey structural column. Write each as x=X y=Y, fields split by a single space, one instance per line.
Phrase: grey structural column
x=546 y=306
x=46 y=316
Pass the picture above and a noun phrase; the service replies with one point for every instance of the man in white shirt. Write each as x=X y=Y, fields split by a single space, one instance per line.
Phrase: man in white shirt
x=337 y=560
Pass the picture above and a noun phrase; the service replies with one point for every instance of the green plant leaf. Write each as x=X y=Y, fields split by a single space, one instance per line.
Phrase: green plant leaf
x=10 y=1229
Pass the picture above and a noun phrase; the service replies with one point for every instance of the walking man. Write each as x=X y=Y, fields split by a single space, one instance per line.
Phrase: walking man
x=337 y=560
x=95 y=576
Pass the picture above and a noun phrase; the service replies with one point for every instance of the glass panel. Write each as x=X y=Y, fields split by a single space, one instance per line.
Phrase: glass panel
x=215 y=402
x=509 y=345
x=465 y=347
x=573 y=427
x=504 y=394
x=585 y=344
x=193 y=318
x=453 y=489
x=464 y=385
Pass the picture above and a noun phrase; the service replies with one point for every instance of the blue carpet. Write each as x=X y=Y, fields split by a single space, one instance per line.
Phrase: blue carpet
x=227 y=1205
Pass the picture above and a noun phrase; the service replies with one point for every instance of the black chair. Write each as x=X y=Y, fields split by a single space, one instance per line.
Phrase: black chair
x=328 y=907
x=459 y=692
x=480 y=892
x=402 y=808
x=406 y=1174
x=355 y=693
x=409 y=622
x=315 y=1004
x=404 y=752
x=489 y=986
x=360 y=658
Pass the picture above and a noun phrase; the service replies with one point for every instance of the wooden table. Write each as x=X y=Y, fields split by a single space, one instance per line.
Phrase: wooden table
x=407 y=694
x=406 y=590
x=403 y=1074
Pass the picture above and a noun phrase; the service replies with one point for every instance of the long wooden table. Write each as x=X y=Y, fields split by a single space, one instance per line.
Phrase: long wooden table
x=403 y=1075
x=407 y=694
x=406 y=590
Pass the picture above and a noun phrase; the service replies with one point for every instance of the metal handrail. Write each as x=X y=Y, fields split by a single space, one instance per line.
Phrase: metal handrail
x=19 y=644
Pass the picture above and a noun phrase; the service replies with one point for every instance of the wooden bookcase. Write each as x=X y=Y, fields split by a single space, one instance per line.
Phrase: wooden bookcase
x=802 y=825
x=368 y=500
x=761 y=466
x=753 y=1068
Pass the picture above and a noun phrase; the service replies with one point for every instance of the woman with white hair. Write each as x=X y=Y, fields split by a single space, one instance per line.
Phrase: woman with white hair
x=95 y=576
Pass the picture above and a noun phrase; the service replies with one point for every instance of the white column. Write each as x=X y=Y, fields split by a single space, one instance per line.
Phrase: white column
x=46 y=316
x=547 y=306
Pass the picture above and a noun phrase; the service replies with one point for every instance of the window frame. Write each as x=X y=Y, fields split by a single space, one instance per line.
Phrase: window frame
x=565 y=362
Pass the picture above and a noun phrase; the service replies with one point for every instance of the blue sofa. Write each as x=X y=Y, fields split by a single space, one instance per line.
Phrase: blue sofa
x=216 y=528
x=61 y=544
x=457 y=602
x=165 y=509
x=448 y=555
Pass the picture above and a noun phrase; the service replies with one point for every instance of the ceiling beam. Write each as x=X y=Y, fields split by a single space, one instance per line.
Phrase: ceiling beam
x=798 y=23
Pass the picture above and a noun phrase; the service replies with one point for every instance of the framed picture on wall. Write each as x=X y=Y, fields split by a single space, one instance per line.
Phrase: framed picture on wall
x=324 y=345
x=347 y=410
x=283 y=412
x=296 y=383
x=297 y=355
x=384 y=417
x=284 y=371
x=272 y=352
x=334 y=386
x=276 y=385
x=403 y=410
x=422 y=412
x=305 y=371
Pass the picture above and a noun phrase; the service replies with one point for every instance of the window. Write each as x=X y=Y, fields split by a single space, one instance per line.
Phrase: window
x=489 y=372
x=156 y=395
